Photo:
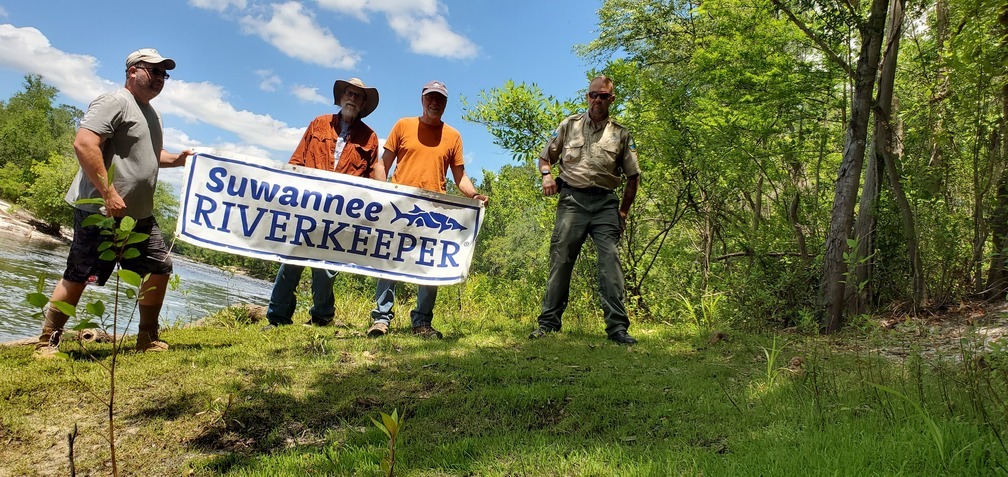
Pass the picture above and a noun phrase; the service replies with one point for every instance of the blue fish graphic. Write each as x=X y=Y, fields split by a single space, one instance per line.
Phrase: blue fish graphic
x=432 y=220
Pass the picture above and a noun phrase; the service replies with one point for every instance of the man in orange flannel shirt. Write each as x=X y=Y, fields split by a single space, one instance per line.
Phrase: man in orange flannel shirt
x=334 y=142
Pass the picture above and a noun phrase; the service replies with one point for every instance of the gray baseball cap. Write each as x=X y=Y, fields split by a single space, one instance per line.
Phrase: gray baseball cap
x=435 y=87
x=149 y=55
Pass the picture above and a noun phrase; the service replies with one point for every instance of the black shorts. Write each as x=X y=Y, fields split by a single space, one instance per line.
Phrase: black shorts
x=85 y=266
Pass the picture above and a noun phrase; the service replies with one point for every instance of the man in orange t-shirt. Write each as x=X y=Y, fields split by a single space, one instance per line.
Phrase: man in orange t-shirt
x=424 y=149
x=333 y=142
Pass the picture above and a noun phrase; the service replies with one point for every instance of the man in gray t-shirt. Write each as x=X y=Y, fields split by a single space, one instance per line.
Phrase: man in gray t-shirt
x=119 y=147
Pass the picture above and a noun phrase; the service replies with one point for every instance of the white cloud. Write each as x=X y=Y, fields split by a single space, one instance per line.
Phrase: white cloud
x=270 y=82
x=431 y=36
x=28 y=50
x=176 y=140
x=308 y=94
x=421 y=23
x=360 y=7
x=3 y=12
x=204 y=102
x=218 y=5
x=295 y=32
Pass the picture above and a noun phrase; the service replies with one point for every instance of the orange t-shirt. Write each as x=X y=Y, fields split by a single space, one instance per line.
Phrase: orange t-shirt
x=424 y=153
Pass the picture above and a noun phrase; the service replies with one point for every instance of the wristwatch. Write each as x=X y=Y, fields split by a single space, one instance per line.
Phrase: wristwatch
x=544 y=170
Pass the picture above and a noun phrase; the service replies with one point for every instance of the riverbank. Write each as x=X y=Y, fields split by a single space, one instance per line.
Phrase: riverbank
x=15 y=221
x=197 y=289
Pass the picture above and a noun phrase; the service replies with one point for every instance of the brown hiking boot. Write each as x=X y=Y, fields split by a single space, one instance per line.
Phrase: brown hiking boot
x=379 y=328
x=48 y=343
x=148 y=341
x=427 y=331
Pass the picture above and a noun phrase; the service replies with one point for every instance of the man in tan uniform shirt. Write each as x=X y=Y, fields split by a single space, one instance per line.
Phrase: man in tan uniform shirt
x=595 y=154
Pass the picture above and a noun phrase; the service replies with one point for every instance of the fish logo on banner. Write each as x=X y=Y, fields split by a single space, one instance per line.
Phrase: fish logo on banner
x=432 y=220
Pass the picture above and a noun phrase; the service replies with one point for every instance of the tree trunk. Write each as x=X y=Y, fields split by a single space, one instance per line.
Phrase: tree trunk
x=936 y=163
x=859 y=287
x=831 y=285
x=997 y=275
x=890 y=150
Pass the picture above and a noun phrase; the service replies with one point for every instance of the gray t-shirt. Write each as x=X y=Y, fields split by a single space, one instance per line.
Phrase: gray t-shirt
x=133 y=143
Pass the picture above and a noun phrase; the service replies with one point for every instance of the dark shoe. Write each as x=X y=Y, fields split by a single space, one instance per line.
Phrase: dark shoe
x=316 y=321
x=427 y=331
x=379 y=328
x=540 y=332
x=622 y=337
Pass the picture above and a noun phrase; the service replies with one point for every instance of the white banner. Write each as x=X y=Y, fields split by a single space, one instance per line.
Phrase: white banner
x=260 y=208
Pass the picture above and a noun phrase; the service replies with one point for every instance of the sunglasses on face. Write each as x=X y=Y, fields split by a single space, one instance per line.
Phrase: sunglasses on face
x=597 y=95
x=354 y=96
x=155 y=72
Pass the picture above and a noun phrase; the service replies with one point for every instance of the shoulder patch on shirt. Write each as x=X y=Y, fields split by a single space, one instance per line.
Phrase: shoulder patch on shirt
x=633 y=145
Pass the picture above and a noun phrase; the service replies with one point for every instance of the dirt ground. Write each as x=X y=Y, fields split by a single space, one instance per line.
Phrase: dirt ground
x=944 y=332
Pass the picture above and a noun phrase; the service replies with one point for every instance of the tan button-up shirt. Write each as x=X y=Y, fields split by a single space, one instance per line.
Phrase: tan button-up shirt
x=592 y=156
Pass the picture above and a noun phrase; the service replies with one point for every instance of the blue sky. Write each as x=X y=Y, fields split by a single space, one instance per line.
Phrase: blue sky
x=251 y=74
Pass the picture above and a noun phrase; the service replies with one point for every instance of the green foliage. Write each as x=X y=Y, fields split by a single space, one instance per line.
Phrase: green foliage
x=12 y=182
x=390 y=425
x=166 y=206
x=514 y=241
x=120 y=236
x=934 y=431
x=45 y=197
x=254 y=267
x=520 y=117
x=707 y=314
x=32 y=128
x=772 y=368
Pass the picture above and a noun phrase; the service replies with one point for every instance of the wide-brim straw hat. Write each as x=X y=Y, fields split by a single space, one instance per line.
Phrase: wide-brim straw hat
x=370 y=101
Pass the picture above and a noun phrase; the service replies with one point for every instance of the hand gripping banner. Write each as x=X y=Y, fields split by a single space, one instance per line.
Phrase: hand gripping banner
x=260 y=208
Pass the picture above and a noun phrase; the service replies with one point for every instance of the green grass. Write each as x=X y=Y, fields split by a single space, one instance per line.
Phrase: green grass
x=231 y=400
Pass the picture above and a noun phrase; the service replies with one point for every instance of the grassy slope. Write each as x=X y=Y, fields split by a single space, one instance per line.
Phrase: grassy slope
x=231 y=400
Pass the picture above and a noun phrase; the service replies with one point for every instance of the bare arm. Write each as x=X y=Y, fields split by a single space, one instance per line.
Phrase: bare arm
x=465 y=184
x=87 y=146
x=168 y=159
x=549 y=184
x=378 y=171
x=629 y=194
x=388 y=157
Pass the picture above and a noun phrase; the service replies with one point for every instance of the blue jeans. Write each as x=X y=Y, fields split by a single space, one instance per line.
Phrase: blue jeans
x=422 y=315
x=283 y=300
x=579 y=215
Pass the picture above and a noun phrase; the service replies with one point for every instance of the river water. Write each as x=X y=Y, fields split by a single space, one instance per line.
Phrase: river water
x=201 y=290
